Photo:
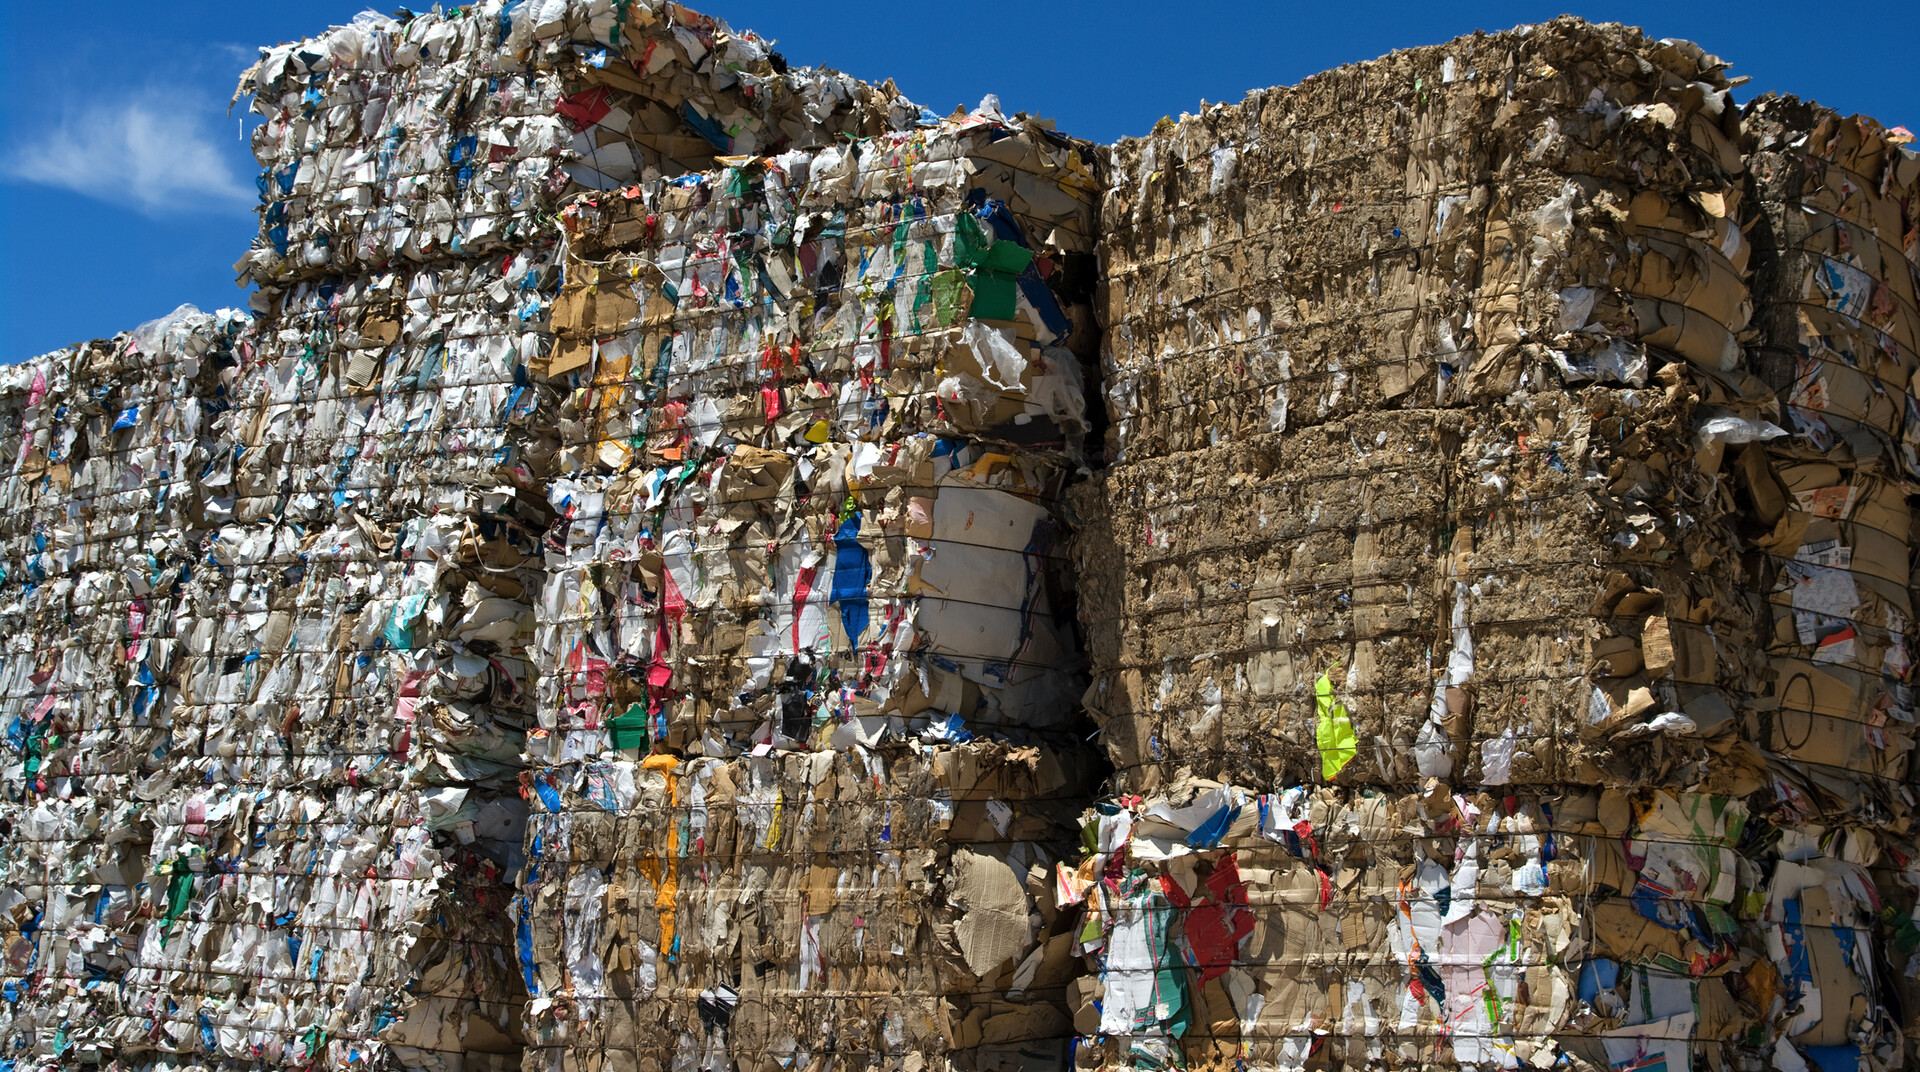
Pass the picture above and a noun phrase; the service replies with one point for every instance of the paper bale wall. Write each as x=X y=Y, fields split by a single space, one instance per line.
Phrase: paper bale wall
x=1406 y=364
x=1323 y=927
x=807 y=635
x=448 y=137
x=1491 y=565
x=1452 y=478
x=1830 y=501
x=1838 y=238
x=239 y=755
x=309 y=581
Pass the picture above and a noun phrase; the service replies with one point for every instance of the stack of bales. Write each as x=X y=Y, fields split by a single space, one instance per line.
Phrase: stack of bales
x=626 y=597
x=1828 y=513
x=334 y=569
x=1415 y=591
x=806 y=640
x=1387 y=413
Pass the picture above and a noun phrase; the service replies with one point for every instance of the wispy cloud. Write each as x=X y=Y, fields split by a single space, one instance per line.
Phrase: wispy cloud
x=153 y=150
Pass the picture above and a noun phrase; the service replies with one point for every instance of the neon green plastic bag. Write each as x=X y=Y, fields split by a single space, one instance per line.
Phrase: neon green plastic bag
x=1333 y=731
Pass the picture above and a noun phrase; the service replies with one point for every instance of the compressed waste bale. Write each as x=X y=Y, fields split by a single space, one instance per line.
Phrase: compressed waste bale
x=613 y=605
x=1578 y=566
x=450 y=136
x=335 y=687
x=1326 y=927
x=300 y=800
x=1838 y=258
x=98 y=438
x=868 y=905
x=807 y=585
x=1407 y=363
x=1837 y=299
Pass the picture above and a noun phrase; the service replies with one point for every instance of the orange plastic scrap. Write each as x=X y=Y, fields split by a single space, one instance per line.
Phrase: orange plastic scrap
x=665 y=876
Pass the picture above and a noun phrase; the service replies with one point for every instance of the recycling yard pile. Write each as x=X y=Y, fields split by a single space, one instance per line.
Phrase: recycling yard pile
x=1516 y=683
x=307 y=550
x=695 y=562
x=1443 y=373
x=807 y=635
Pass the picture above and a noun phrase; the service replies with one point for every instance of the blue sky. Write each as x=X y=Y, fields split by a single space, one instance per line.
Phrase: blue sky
x=126 y=188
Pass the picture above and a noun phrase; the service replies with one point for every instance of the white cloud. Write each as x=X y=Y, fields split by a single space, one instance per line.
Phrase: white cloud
x=152 y=150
